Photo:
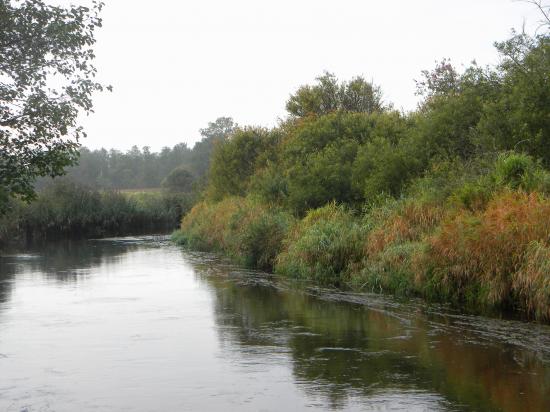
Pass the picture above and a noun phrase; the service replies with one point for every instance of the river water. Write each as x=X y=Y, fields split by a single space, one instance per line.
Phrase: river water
x=136 y=324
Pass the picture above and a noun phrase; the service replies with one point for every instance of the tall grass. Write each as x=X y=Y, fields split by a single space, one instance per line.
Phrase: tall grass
x=483 y=242
x=66 y=209
x=243 y=228
x=322 y=246
x=391 y=249
x=495 y=256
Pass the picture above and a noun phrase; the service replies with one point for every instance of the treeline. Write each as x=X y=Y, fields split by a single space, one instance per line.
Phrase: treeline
x=449 y=202
x=89 y=201
x=106 y=194
x=140 y=168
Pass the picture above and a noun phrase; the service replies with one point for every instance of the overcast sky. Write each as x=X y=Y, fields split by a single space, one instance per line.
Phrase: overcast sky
x=176 y=65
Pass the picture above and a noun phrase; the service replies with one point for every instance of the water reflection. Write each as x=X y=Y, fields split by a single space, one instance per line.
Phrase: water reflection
x=142 y=325
x=65 y=260
x=341 y=349
x=6 y=281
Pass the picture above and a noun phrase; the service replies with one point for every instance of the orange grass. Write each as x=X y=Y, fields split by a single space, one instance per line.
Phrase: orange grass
x=491 y=248
x=407 y=224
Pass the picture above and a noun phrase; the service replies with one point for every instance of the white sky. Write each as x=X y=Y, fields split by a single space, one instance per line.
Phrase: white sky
x=175 y=65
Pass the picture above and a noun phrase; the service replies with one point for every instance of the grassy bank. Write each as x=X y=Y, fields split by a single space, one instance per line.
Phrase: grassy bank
x=68 y=210
x=483 y=242
x=242 y=228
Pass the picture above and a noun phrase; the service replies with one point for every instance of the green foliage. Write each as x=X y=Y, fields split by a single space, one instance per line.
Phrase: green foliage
x=322 y=246
x=140 y=168
x=383 y=167
x=322 y=177
x=518 y=171
x=391 y=271
x=216 y=133
x=270 y=184
x=66 y=209
x=320 y=156
x=234 y=162
x=451 y=182
x=179 y=180
x=328 y=95
x=243 y=228
x=442 y=80
x=43 y=45
x=314 y=133
x=517 y=119
x=261 y=241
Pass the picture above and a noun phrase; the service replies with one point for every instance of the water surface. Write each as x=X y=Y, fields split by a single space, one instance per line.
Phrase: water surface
x=140 y=325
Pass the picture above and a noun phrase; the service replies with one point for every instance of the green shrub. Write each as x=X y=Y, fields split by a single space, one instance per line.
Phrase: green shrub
x=519 y=171
x=390 y=271
x=322 y=245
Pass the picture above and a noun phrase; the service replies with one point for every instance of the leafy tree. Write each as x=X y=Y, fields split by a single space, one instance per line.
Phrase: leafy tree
x=519 y=117
x=318 y=157
x=313 y=134
x=358 y=95
x=448 y=118
x=322 y=177
x=216 y=132
x=382 y=167
x=235 y=160
x=47 y=78
x=442 y=80
x=179 y=180
x=319 y=99
x=221 y=128
x=328 y=95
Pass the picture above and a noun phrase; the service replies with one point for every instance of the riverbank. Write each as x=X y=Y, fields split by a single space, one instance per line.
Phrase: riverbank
x=483 y=246
x=449 y=202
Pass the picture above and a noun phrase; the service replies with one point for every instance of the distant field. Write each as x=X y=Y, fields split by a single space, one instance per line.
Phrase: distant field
x=137 y=191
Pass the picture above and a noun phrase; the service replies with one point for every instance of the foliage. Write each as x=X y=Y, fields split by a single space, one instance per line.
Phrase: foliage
x=66 y=209
x=383 y=167
x=328 y=95
x=216 y=133
x=485 y=249
x=140 y=168
x=42 y=45
x=322 y=246
x=234 y=162
x=179 y=180
x=517 y=119
x=241 y=227
x=322 y=177
x=327 y=158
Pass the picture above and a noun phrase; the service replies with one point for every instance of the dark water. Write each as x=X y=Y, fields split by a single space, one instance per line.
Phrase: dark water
x=139 y=325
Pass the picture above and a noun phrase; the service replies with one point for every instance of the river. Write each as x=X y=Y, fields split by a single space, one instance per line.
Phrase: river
x=137 y=324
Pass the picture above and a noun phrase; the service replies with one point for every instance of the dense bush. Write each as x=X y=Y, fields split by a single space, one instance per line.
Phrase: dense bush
x=235 y=160
x=322 y=246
